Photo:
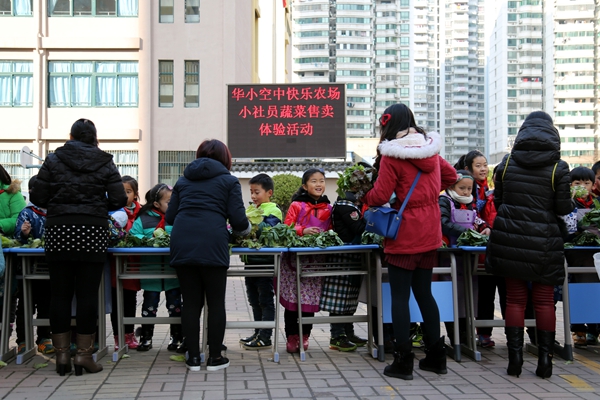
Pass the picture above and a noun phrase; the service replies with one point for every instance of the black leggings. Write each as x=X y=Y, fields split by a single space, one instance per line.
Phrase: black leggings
x=79 y=278
x=196 y=282
x=290 y=319
x=401 y=281
x=129 y=307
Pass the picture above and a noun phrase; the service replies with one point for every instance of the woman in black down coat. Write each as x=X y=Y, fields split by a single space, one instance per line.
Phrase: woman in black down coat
x=202 y=202
x=78 y=184
x=526 y=244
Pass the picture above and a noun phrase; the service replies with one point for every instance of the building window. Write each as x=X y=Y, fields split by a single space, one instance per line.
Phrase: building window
x=16 y=83
x=165 y=85
x=165 y=11
x=16 y=7
x=404 y=92
x=171 y=165
x=192 y=11
x=404 y=41
x=126 y=161
x=94 y=8
x=192 y=84
x=93 y=83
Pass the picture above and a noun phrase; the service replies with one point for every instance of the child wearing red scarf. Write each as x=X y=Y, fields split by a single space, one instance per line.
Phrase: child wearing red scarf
x=152 y=217
x=582 y=182
x=130 y=286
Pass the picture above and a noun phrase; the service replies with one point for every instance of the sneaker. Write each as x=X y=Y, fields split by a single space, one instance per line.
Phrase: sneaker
x=45 y=346
x=131 y=341
x=579 y=339
x=145 y=344
x=215 y=364
x=486 y=341
x=258 y=344
x=293 y=344
x=182 y=349
x=304 y=341
x=21 y=348
x=248 y=339
x=358 y=341
x=341 y=343
x=193 y=364
x=174 y=343
x=591 y=339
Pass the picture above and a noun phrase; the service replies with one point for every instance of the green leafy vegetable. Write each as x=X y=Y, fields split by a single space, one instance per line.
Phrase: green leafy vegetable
x=356 y=179
x=585 y=238
x=578 y=192
x=371 y=238
x=6 y=242
x=472 y=238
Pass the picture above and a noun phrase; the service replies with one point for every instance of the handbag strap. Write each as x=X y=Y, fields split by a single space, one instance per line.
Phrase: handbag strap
x=409 y=193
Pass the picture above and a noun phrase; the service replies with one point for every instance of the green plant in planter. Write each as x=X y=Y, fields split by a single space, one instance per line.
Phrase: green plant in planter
x=285 y=186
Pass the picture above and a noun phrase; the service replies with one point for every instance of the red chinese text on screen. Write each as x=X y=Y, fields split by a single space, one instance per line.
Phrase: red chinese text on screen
x=290 y=129
x=291 y=93
x=288 y=111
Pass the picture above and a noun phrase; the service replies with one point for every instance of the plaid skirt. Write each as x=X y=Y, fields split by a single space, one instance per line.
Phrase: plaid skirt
x=340 y=293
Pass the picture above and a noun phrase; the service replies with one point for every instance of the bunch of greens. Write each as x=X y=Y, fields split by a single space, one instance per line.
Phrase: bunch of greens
x=585 y=238
x=282 y=235
x=34 y=243
x=371 y=238
x=590 y=219
x=255 y=216
x=323 y=239
x=160 y=238
x=579 y=192
x=6 y=242
x=472 y=238
x=356 y=179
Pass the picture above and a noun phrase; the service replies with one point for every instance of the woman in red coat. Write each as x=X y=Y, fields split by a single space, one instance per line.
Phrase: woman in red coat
x=403 y=151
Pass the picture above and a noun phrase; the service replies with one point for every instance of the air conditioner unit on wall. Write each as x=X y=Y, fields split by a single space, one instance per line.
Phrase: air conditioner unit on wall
x=396 y=83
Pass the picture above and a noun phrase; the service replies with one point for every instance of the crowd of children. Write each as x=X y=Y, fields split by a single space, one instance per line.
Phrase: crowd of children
x=466 y=204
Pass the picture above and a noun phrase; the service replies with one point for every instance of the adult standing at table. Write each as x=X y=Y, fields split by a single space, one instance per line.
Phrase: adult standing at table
x=11 y=202
x=526 y=245
x=404 y=150
x=202 y=202
x=78 y=184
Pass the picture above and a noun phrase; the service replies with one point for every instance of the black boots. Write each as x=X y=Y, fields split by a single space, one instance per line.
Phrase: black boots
x=402 y=367
x=435 y=358
x=545 y=353
x=62 y=346
x=83 y=359
x=514 y=342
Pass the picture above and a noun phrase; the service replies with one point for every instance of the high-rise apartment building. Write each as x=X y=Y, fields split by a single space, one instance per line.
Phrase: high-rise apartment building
x=462 y=48
x=575 y=67
x=546 y=56
x=152 y=75
x=427 y=54
x=516 y=72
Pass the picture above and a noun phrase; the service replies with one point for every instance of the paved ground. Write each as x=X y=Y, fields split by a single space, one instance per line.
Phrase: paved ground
x=326 y=374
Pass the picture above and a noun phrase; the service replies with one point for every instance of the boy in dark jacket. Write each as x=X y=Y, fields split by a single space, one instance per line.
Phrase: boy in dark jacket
x=260 y=289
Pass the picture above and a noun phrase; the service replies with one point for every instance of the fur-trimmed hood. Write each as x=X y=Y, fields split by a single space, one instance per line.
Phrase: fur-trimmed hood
x=14 y=187
x=412 y=146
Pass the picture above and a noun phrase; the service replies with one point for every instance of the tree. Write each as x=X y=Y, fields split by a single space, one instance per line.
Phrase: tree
x=285 y=186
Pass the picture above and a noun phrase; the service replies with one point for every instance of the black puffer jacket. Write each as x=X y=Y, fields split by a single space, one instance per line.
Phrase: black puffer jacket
x=532 y=191
x=203 y=199
x=79 y=178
